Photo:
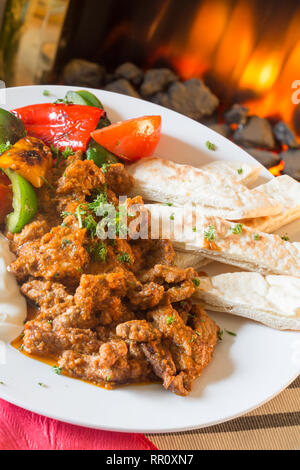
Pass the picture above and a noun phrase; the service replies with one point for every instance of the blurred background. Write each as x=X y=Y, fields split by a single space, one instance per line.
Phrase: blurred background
x=229 y=64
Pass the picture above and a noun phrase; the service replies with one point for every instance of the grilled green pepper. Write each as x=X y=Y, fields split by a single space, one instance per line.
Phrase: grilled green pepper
x=99 y=154
x=12 y=129
x=24 y=202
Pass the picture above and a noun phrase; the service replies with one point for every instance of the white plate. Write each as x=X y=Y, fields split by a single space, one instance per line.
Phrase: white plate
x=246 y=371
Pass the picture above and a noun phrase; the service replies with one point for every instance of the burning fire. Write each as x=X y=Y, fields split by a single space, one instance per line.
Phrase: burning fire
x=278 y=169
x=231 y=46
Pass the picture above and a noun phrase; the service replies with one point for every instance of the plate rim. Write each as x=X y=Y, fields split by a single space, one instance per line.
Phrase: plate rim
x=173 y=429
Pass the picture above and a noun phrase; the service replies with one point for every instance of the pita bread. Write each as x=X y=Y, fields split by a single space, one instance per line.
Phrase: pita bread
x=286 y=191
x=230 y=243
x=168 y=182
x=272 y=300
x=242 y=173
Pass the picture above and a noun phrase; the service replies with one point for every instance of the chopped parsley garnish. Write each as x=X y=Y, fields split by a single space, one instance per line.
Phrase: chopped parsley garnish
x=210 y=233
x=237 y=229
x=118 y=142
x=196 y=281
x=50 y=322
x=231 y=333
x=42 y=385
x=67 y=153
x=98 y=252
x=21 y=347
x=256 y=237
x=91 y=225
x=80 y=212
x=169 y=204
x=65 y=214
x=285 y=238
x=211 y=146
x=240 y=171
x=1 y=383
x=194 y=229
x=104 y=167
x=98 y=202
x=4 y=147
x=62 y=101
x=57 y=370
x=124 y=257
x=108 y=378
x=65 y=242
x=170 y=320
x=220 y=334
x=47 y=183
x=46 y=93
x=198 y=333
x=172 y=217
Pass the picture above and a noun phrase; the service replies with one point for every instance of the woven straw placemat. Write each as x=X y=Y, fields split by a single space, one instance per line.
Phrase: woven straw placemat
x=274 y=426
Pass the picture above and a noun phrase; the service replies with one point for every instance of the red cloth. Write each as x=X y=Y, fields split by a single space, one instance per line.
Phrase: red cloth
x=23 y=430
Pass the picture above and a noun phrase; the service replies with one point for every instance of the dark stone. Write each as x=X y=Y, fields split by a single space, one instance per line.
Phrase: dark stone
x=238 y=114
x=285 y=135
x=256 y=133
x=291 y=160
x=266 y=158
x=222 y=129
x=191 y=98
x=79 y=72
x=122 y=86
x=130 y=72
x=157 y=80
x=296 y=119
x=162 y=99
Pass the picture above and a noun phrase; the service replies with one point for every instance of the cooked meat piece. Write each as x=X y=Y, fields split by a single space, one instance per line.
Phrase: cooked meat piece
x=111 y=352
x=182 y=292
x=125 y=370
x=93 y=290
x=58 y=255
x=140 y=331
x=51 y=297
x=80 y=179
x=33 y=231
x=169 y=274
x=204 y=325
x=184 y=310
x=118 y=179
x=147 y=297
x=161 y=252
x=41 y=339
x=190 y=353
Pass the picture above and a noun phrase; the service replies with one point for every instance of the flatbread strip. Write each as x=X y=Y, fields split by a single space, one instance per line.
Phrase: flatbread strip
x=168 y=182
x=286 y=191
x=271 y=300
x=241 y=172
x=226 y=242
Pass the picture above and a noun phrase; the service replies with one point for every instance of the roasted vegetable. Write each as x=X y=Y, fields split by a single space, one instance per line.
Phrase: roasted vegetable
x=30 y=158
x=5 y=201
x=131 y=140
x=11 y=128
x=95 y=151
x=61 y=125
x=83 y=97
x=100 y=155
x=24 y=203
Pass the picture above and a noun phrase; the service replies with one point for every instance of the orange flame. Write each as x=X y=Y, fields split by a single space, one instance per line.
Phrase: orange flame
x=278 y=169
x=227 y=44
